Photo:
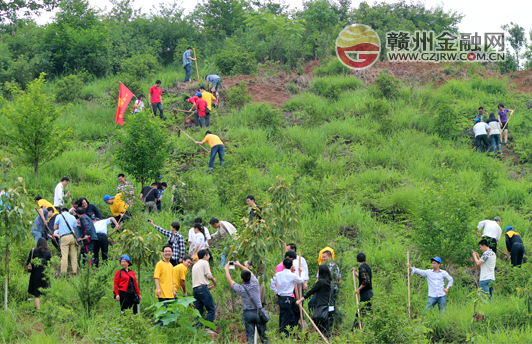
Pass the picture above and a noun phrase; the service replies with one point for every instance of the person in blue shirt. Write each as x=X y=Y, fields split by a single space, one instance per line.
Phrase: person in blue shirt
x=187 y=63
x=65 y=224
x=435 y=279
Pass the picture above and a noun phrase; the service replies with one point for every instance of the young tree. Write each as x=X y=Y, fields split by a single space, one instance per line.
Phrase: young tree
x=142 y=148
x=516 y=37
x=30 y=129
x=14 y=216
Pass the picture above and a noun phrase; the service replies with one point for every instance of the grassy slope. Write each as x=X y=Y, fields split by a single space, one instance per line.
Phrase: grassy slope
x=357 y=178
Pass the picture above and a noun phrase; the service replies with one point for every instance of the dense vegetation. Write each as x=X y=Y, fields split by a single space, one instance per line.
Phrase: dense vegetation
x=376 y=168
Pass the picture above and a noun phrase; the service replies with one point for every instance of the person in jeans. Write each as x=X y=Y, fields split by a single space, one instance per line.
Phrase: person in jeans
x=86 y=234
x=514 y=245
x=481 y=131
x=249 y=291
x=495 y=133
x=148 y=195
x=217 y=147
x=67 y=240
x=487 y=268
x=201 y=275
x=155 y=100
x=215 y=80
x=365 y=286
x=38 y=229
x=225 y=230
x=175 y=239
x=102 y=244
x=435 y=279
x=492 y=232
x=187 y=63
x=502 y=114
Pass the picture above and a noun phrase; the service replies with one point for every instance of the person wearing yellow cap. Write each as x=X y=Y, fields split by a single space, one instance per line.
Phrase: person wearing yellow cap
x=514 y=245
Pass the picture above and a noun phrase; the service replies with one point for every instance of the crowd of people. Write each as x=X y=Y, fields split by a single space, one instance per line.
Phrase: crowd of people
x=492 y=130
x=81 y=230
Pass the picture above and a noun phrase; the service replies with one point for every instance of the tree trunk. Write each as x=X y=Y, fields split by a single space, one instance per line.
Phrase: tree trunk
x=36 y=169
x=6 y=277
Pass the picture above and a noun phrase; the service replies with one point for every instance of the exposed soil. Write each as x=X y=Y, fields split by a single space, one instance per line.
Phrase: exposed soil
x=309 y=67
x=522 y=79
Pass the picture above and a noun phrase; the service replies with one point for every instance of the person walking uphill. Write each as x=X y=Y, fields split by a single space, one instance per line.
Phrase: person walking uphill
x=126 y=287
x=514 y=245
x=249 y=291
x=435 y=279
x=155 y=100
x=217 y=147
x=38 y=261
x=495 y=133
x=503 y=120
x=492 y=232
x=481 y=131
x=187 y=63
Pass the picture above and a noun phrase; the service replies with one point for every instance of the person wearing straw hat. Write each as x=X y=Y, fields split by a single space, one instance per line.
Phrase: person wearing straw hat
x=435 y=279
x=514 y=245
x=126 y=287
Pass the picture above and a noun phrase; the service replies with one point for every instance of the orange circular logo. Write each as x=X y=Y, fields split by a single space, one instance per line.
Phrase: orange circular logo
x=358 y=46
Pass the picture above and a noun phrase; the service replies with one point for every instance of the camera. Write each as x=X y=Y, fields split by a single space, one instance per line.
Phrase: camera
x=232 y=265
x=148 y=220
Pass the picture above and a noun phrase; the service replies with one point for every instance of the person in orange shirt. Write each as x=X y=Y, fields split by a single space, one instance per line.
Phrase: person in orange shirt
x=217 y=147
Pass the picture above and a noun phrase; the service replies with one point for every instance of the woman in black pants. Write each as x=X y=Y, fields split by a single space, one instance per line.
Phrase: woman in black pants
x=324 y=297
x=126 y=286
x=38 y=259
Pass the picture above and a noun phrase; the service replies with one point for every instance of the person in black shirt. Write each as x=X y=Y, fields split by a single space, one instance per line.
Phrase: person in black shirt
x=365 y=289
x=86 y=234
x=91 y=210
x=514 y=245
x=324 y=297
x=255 y=209
x=149 y=195
x=38 y=258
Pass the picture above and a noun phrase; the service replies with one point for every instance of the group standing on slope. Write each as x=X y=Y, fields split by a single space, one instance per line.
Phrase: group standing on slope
x=492 y=130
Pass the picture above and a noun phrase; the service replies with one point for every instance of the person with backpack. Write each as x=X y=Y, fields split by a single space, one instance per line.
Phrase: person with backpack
x=38 y=280
x=254 y=315
x=148 y=195
x=175 y=240
x=126 y=288
x=324 y=290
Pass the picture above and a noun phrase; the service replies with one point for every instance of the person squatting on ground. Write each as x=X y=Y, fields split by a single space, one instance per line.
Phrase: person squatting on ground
x=323 y=291
x=435 y=279
x=249 y=291
x=365 y=286
x=492 y=232
x=487 y=268
x=514 y=245
x=126 y=287
x=282 y=284
x=175 y=240
x=201 y=275
x=38 y=262
x=155 y=99
x=495 y=133
x=481 y=131
x=65 y=225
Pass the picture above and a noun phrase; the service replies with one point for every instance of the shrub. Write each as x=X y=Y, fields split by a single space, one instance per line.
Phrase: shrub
x=140 y=66
x=332 y=67
x=331 y=87
x=388 y=85
x=69 y=88
x=235 y=60
x=264 y=116
x=238 y=96
x=377 y=107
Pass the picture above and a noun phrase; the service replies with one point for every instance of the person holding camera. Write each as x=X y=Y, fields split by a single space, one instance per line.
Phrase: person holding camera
x=254 y=314
x=126 y=287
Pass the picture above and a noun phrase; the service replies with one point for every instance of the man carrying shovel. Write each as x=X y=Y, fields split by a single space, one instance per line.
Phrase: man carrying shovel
x=217 y=147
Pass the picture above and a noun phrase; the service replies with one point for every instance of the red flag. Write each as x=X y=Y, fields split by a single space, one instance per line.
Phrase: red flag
x=124 y=97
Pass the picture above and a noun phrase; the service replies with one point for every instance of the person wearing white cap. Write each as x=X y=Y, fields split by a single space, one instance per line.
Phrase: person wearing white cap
x=492 y=232
x=435 y=279
x=126 y=287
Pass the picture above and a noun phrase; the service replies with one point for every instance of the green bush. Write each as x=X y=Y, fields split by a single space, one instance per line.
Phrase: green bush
x=69 y=88
x=333 y=67
x=377 y=107
x=267 y=117
x=235 y=60
x=140 y=66
x=238 y=96
x=332 y=86
x=388 y=85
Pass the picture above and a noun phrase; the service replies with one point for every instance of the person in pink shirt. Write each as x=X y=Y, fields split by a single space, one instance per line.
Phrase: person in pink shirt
x=155 y=99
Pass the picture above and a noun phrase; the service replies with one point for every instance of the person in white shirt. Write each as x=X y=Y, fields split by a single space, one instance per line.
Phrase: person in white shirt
x=435 y=279
x=296 y=264
x=139 y=104
x=226 y=231
x=102 y=244
x=200 y=240
x=487 y=268
x=492 y=232
x=282 y=284
x=192 y=235
x=59 y=194
x=481 y=130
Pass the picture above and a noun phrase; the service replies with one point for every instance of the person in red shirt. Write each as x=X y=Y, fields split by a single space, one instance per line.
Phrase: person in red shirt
x=201 y=105
x=126 y=286
x=155 y=99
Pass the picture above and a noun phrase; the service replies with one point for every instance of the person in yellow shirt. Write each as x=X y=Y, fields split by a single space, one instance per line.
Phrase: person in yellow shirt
x=180 y=274
x=163 y=276
x=118 y=207
x=44 y=204
x=209 y=98
x=217 y=147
